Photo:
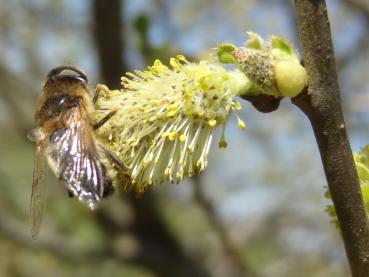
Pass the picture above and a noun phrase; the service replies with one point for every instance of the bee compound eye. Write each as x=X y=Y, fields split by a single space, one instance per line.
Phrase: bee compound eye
x=66 y=72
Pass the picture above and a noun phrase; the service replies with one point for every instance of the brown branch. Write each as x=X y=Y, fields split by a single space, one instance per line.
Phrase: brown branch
x=13 y=89
x=322 y=106
x=108 y=35
x=167 y=256
x=361 y=5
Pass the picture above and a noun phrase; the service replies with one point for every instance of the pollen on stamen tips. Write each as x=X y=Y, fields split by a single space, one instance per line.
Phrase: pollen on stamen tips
x=172 y=136
x=182 y=58
x=212 y=122
x=223 y=144
x=241 y=124
x=237 y=106
x=171 y=113
x=172 y=107
x=175 y=64
x=130 y=75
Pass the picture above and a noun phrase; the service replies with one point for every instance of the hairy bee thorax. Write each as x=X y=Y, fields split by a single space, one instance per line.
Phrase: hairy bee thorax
x=60 y=94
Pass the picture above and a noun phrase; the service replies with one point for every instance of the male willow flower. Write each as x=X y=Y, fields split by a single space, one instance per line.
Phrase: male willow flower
x=165 y=118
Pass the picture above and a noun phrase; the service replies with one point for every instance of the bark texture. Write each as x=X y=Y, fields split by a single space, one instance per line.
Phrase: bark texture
x=322 y=104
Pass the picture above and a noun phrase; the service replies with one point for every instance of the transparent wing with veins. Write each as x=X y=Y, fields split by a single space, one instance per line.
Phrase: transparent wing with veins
x=73 y=157
x=38 y=190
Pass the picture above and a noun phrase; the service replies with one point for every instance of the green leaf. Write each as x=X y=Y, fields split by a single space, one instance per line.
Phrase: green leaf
x=255 y=41
x=281 y=48
x=362 y=164
x=224 y=53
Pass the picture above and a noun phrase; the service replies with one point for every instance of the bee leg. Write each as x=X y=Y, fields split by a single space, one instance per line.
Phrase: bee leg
x=97 y=91
x=103 y=120
x=111 y=156
x=107 y=183
x=108 y=187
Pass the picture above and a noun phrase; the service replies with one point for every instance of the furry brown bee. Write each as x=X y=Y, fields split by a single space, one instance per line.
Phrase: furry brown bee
x=64 y=135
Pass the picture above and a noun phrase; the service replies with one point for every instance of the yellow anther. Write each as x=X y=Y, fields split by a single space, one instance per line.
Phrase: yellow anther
x=172 y=136
x=241 y=124
x=179 y=176
x=187 y=96
x=158 y=67
x=201 y=113
x=237 y=106
x=222 y=144
x=181 y=58
x=138 y=72
x=172 y=107
x=166 y=172
x=182 y=138
x=212 y=122
x=175 y=64
x=171 y=113
x=157 y=63
x=130 y=75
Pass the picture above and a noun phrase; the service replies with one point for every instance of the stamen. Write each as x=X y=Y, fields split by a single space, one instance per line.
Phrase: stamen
x=163 y=126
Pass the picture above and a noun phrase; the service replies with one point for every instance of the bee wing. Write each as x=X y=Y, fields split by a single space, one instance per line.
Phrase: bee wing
x=38 y=189
x=73 y=157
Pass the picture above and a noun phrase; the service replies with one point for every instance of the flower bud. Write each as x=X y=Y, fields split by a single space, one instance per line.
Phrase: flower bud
x=290 y=76
x=273 y=68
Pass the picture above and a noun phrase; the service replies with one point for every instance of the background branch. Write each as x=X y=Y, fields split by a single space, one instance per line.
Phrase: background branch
x=322 y=105
x=238 y=265
x=109 y=42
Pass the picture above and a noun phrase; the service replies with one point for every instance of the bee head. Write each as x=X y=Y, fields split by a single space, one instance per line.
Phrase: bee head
x=67 y=73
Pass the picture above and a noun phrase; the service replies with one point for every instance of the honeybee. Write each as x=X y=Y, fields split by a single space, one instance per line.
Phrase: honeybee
x=64 y=136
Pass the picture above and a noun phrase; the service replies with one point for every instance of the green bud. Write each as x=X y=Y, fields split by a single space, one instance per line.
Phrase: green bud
x=273 y=68
x=224 y=53
x=257 y=65
x=291 y=77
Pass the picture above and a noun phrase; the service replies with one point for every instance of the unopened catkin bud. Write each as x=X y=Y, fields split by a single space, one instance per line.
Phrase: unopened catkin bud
x=290 y=76
x=273 y=67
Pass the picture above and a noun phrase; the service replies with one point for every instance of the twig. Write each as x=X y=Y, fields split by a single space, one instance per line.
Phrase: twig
x=321 y=103
x=109 y=41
